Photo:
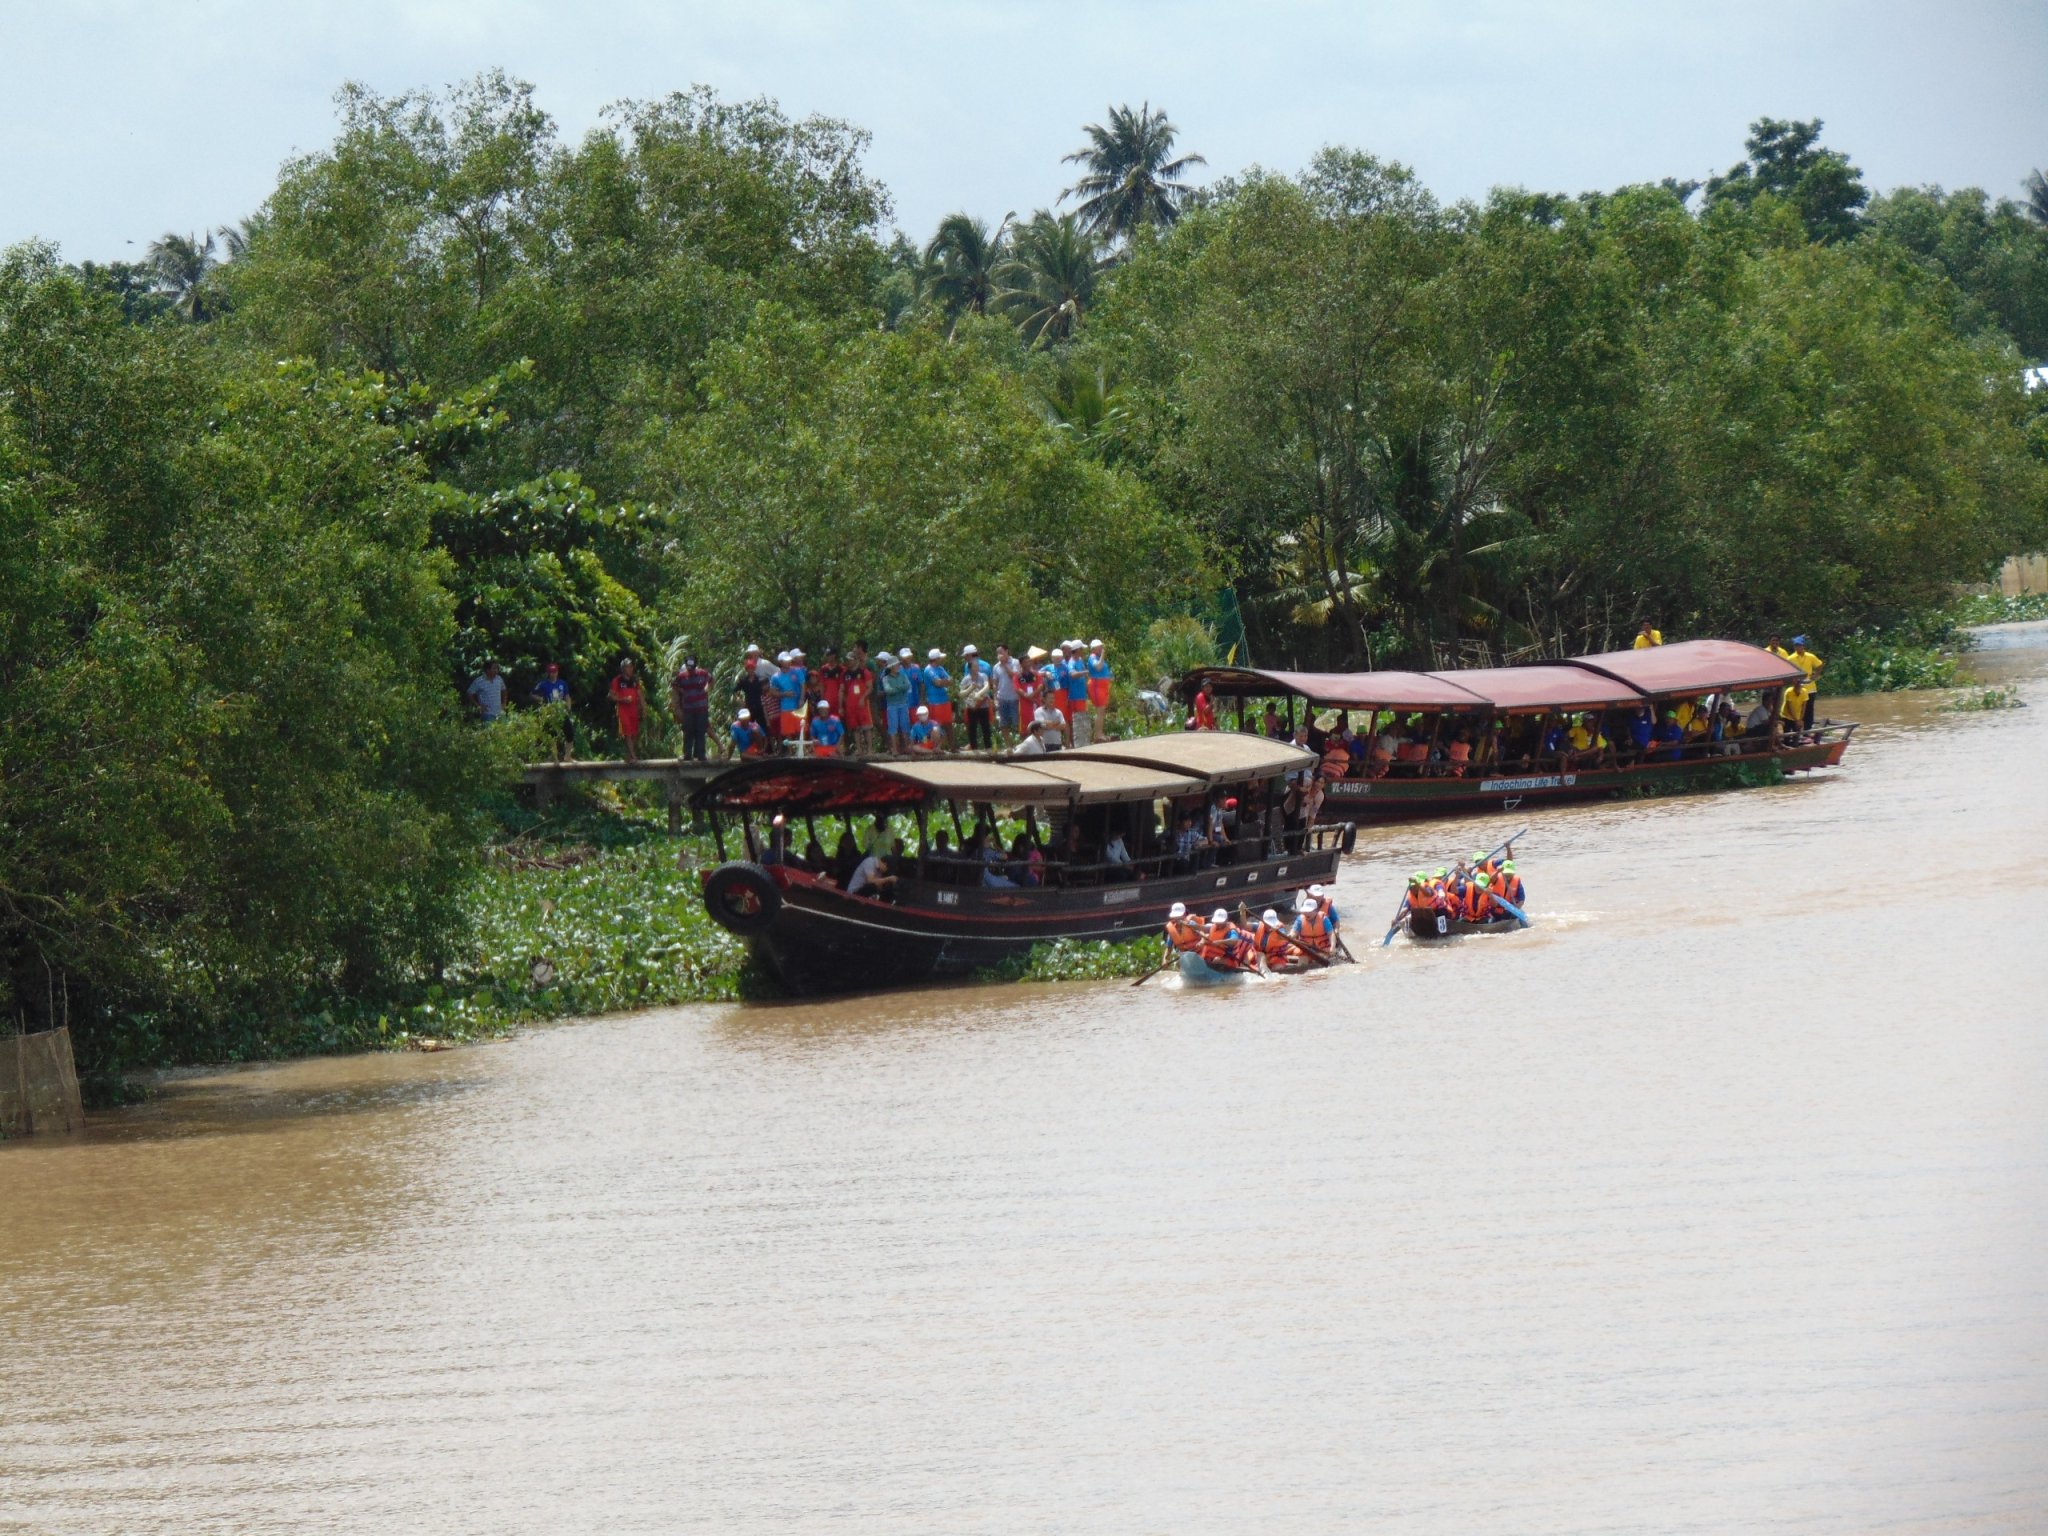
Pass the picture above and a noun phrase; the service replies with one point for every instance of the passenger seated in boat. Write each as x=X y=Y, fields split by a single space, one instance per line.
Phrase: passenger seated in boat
x=989 y=855
x=845 y=860
x=1190 y=848
x=1027 y=863
x=1118 y=857
x=873 y=878
x=1425 y=896
x=1509 y=884
x=1669 y=739
x=1458 y=757
x=777 y=851
x=1273 y=727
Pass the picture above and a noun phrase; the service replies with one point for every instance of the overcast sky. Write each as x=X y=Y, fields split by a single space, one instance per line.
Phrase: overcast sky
x=121 y=121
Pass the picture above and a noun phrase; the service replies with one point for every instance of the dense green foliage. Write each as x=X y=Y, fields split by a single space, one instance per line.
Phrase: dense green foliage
x=461 y=389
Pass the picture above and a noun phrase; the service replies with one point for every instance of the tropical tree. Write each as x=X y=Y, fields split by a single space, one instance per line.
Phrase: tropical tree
x=1082 y=403
x=1130 y=174
x=965 y=264
x=2036 y=186
x=1049 y=280
x=1786 y=161
x=182 y=264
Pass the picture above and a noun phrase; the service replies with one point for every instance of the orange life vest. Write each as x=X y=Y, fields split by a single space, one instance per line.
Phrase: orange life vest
x=1183 y=934
x=1273 y=943
x=1223 y=946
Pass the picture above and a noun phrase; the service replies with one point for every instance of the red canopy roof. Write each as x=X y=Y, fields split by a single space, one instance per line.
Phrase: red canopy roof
x=1564 y=686
x=1695 y=666
x=1344 y=690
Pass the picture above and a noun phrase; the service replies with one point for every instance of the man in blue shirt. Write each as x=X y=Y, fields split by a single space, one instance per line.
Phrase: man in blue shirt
x=938 y=694
x=924 y=736
x=551 y=696
x=826 y=730
x=914 y=675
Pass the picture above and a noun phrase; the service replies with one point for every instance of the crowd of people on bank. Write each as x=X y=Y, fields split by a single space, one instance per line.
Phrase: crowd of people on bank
x=862 y=704
x=857 y=704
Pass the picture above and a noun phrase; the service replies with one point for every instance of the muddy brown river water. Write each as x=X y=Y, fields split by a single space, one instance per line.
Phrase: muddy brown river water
x=1716 y=1202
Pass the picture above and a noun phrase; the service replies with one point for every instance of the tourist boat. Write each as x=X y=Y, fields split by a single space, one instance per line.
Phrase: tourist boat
x=945 y=921
x=1504 y=712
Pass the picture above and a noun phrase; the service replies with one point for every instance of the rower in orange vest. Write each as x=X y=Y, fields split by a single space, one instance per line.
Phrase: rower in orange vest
x=1223 y=946
x=1271 y=940
x=1182 y=931
x=1313 y=925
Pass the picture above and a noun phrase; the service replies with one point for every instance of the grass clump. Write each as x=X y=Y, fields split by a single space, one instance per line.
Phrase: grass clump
x=1085 y=960
x=1996 y=608
x=1975 y=700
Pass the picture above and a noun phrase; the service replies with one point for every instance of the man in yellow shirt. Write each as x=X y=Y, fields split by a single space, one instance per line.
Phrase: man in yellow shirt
x=1810 y=664
x=1649 y=636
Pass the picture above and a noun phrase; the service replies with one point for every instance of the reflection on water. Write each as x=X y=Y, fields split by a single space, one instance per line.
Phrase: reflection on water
x=1717 y=1201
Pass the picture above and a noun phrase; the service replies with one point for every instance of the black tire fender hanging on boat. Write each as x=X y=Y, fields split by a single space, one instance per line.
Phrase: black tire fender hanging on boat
x=741 y=897
x=1350 y=836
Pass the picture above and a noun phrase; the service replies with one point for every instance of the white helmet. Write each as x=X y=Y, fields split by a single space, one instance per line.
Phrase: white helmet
x=1271 y=918
x=1220 y=915
x=1178 y=909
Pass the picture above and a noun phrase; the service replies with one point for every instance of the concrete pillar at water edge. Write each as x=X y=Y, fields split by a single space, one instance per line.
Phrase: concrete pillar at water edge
x=38 y=1084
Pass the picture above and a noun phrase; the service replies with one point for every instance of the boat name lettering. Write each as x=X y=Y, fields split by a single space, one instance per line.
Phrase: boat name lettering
x=1115 y=898
x=948 y=898
x=1541 y=781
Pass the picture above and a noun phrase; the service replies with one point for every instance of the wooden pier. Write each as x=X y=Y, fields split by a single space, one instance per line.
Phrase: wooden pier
x=678 y=775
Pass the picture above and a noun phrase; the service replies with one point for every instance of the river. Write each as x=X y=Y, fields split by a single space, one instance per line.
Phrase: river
x=1718 y=1201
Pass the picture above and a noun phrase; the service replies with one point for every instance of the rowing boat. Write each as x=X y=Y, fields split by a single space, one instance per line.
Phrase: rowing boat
x=1198 y=972
x=1438 y=925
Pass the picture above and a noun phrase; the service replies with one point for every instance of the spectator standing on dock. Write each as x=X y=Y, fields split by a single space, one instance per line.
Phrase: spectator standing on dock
x=1007 y=673
x=753 y=683
x=551 y=697
x=857 y=695
x=1078 y=711
x=894 y=688
x=977 y=700
x=689 y=701
x=938 y=695
x=626 y=701
x=487 y=693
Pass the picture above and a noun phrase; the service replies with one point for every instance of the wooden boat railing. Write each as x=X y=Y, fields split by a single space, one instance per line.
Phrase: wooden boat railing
x=1731 y=749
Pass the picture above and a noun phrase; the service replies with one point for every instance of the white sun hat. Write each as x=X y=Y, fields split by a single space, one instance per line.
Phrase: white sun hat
x=782 y=658
x=746 y=714
x=934 y=654
x=1304 y=903
x=923 y=713
x=1178 y=909
x=1094 y=645
x=752 y=650
x=1270 y=918
x=1316 y=891
x=969 y=650
x=905 y=653
x=1219 y=916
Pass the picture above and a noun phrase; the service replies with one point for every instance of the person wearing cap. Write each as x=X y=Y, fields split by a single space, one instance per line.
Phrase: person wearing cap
x=1810 y=664
x=752 y=683
x=1648 y=636
x=894 y=687
x=925 y=732
x=1509 y=884
x=786 y=699
x=914 y=675
x=748 y=739
x=1275 y=945
x=1314 y=926
x=1006 y=677
x=1223 y=946
x=938 y=694
x=1099 y=677
x=1076 y=684
x=689 y=705
x=826 y=730
x=977 y=700
x=1183 y=932
x=1425 y=897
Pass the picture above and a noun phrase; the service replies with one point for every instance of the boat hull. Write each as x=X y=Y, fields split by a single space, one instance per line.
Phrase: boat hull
x=820 y=940
x=1401 y=799
x=1198 y=972
x=1429 y=928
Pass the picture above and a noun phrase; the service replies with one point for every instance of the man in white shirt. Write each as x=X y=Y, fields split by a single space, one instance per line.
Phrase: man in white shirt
x=1051 y=722
x=1033 y=744
x=871 y=877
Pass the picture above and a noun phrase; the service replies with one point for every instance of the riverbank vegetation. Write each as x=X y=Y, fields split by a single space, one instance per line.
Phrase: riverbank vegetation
x=461 y=387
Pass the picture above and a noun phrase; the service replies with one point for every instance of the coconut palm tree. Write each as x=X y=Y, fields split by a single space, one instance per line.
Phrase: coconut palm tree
x=1083 y=405
x=181 y=263
x=2036 y=186
x=1049 y=279
x=1130 y=178
x=965 y=264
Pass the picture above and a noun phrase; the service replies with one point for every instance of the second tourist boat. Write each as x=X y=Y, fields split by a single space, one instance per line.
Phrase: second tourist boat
x=946 y=918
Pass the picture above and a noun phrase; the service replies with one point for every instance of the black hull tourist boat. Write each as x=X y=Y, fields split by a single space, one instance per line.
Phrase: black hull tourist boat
x=944 y=917
x=1501 y=717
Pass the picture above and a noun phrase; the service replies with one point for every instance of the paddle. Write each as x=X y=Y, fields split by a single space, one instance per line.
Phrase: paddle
x=1164 y=965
